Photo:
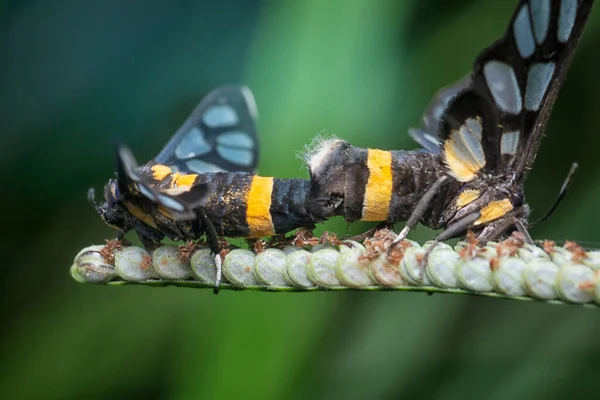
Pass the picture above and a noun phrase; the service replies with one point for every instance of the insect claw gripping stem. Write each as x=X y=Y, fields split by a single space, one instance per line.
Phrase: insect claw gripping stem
x=213 y=243
x=523 y=231
x=219 y=257
x=451 y=231
x=402 y=235
x=423 y=262
x=121 y=238
x=219 y=277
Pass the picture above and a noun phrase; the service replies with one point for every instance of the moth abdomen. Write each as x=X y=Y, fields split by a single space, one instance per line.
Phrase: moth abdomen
x=245 y=205
x=370 y=184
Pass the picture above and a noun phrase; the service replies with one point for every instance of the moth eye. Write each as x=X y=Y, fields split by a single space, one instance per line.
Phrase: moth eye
x=112 y=193
x=517 y=199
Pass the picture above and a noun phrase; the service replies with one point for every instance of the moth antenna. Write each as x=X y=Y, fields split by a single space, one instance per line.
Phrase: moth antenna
x=91 y=196
x=561 y=194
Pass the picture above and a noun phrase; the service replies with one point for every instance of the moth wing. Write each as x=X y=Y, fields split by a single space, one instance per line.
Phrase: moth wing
x=219 y=135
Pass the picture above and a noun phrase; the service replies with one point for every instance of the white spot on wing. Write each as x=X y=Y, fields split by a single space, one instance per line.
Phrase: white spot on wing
x=473 y=127
x=538 y=80
x=503 y=84
x=170 y=203
x=220 y=116
x=468 y=139
x=200 y=167
x=146 y=192
x=509 y=142
x=235 y=139
x=464 y=146
x=192 y=145
x=235 y=155
x=431 y=139
x=566 y=19
x=540 y=14
x=523 y=33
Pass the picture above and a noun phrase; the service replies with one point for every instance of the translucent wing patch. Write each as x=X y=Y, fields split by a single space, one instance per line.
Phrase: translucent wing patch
x=502 y=83
x=220 y=135
x=463 y=152
x=538 y=82
x=509 y=143
x=430 y=142
x=523 y=32
x=192 y=145
x=198 y=165
x=236 y=147
x=219 y=116
x=428 y=135
x=566 y=19
x=540 y=15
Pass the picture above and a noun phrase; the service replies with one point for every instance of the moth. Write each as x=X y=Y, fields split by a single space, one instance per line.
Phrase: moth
x=203 y=182
x=480 y=138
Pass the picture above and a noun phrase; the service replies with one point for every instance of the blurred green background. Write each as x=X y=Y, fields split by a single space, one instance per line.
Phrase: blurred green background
x=76 y=75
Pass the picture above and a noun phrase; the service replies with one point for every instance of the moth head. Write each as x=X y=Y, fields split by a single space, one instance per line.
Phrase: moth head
x=112 y=210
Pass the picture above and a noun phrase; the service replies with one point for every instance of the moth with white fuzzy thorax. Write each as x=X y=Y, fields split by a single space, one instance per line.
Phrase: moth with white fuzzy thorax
x=480 y=138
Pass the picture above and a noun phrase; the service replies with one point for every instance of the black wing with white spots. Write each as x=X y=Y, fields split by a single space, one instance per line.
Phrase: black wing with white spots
x=522 y=73
x=491 y=122
x=219 y=135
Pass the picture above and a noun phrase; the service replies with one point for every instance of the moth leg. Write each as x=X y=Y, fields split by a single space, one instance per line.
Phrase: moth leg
x=449 y=232
x=121 y=238
x=219 y=273
x=496 y=228
x=147 y=243
x=149 y=237
x=212 y=238
x=419 y=210
x=523 y=229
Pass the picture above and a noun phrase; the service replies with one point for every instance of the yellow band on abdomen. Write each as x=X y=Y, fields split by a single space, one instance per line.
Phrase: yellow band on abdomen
x=378 y=193
x=258 y=214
